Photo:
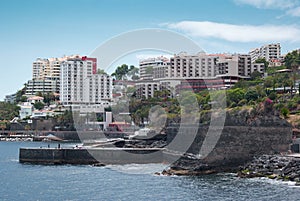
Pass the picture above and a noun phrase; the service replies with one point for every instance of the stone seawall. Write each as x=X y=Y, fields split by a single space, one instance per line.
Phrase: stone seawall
x=243 y=136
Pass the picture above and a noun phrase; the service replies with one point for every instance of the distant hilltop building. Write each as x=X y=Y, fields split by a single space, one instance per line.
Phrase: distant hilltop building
x=153 y=65
x=269 y=52
x=10 y=98
x=74 y=78
x=46 y=74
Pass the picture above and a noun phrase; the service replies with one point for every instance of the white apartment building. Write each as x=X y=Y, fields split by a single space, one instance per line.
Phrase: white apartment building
x=195 y=69
x=185 y=66
x=147 y=67
x=78 y=84
x=234 y=66
x=73 y=73
x=10 y=98
x=260 y=67
x=42 y=85
x=46 y=75
x=91 y=117
x=49 y=68
x=146 y=88
x=97 y=88
x=269 y=52
x=38 y=68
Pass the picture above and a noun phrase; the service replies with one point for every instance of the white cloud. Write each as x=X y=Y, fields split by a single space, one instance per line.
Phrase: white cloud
x=269 y=4
x=291 y=7
x=294 y=12
x=238 y=33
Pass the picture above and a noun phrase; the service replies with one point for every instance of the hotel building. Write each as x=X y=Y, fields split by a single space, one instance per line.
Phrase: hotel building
x=269 y=52
x=211 y=71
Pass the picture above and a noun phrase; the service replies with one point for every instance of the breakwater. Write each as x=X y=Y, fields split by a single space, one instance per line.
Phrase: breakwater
x=101 y=156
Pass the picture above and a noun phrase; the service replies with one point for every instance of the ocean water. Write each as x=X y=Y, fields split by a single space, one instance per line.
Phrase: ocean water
x=127 y=182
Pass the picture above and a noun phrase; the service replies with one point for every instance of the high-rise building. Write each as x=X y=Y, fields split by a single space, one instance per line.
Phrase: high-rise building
x=269 y=52
x=46 y=75
x=97 y=88
x=79 y=84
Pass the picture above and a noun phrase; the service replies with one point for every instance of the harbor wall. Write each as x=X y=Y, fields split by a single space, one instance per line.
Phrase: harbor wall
x=103 y=156
x=243 y=136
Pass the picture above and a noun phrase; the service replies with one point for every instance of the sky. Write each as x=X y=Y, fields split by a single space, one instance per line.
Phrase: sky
x=52 y=28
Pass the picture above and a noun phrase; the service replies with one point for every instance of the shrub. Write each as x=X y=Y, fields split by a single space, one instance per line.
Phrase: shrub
x=285 y=112
x=242 y=102
x=273 y=96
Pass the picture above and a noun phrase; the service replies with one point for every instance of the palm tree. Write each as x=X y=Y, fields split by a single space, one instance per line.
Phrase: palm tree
x=3 y=126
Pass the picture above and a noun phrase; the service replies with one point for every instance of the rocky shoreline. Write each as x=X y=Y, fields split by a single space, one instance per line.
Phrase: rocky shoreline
x=284 y=168
x=277 y=167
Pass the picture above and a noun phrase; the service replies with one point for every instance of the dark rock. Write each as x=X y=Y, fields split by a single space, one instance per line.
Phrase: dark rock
x=280 y=168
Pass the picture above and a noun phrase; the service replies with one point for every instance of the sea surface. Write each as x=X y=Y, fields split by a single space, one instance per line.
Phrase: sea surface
x=127 y=182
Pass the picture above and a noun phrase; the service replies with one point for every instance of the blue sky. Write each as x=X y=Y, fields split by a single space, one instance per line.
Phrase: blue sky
x=52 y=28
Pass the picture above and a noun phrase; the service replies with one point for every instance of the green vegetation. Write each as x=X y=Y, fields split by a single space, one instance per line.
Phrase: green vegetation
x=273 y=92
x=262 y=60
x=124 y=72
x=65 y=121
x=101 y=72
x=38 y=105
x=292 y=60
x=8 y=111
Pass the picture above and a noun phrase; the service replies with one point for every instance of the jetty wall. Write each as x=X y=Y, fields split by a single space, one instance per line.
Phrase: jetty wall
x=90 y=156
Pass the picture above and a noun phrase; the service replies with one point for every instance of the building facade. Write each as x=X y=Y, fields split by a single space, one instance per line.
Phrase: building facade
x=197 y=72
x=153 y=67
x=42 y=86
x=10 y=98
x=98 y=87
x=80 y=85
x=185 y=66
x=269 y=52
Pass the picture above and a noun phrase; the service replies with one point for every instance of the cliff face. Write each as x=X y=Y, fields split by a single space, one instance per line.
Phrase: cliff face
x=246 y=133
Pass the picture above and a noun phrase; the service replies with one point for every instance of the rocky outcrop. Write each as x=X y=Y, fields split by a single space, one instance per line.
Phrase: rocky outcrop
x=274 y=167
x=246 y=134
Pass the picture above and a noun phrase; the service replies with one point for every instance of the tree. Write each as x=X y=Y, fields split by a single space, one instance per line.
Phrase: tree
x=20 y=95
x=273 y=96
x=251 y=94
x=3 y=126
x=235 y=95
x=255 y=74
x=48 y=97
x=101 y=71
x=264 y=61
x=38 y=105
x=121 y=72
x=292 y=59
x=39 y=94
x=133 y=73
x=8 y=111
x=269 y=82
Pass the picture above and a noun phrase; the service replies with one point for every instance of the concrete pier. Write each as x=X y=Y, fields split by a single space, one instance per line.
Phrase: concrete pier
x=103 y=156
